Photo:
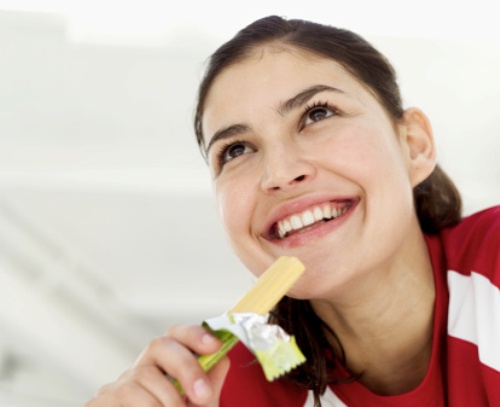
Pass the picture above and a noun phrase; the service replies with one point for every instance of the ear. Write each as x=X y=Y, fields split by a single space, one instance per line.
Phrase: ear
x=419 y=141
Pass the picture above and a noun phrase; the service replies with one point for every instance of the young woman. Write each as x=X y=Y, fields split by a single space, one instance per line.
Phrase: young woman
x=313 y=156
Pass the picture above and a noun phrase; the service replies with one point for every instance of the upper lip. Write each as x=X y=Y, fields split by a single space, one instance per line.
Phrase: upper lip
x=299 y=205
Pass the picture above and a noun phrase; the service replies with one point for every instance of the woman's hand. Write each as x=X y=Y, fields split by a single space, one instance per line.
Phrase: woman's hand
x=146 y=385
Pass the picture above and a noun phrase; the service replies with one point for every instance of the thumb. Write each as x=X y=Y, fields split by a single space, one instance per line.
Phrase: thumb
x=217 y=376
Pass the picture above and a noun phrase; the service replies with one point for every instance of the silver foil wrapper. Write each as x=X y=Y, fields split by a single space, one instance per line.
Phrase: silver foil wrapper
x=260 y=335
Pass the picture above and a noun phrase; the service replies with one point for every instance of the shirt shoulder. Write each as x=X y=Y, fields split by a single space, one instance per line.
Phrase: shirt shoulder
x=472 y=252
x=473 y=245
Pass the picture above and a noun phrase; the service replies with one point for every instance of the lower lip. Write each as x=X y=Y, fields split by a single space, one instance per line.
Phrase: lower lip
x=304 y=238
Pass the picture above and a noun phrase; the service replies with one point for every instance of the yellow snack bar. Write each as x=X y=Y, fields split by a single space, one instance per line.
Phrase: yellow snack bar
x=280 y=353
x=271 y=286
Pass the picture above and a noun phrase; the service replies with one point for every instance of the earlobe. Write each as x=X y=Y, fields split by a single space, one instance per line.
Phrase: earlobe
x=420 y=142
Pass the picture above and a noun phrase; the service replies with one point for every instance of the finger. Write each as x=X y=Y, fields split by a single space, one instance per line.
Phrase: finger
x=128 y=394
x=178 y=361
x=157 y=384
x=190 y=375
x=196 y=338
x=216 y=377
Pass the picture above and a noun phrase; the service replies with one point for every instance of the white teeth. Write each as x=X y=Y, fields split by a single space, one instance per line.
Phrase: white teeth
x=296 y=222
x=327 y=211
x=307 y=218
x=335 y=213
x=318 y=213
x=282 y=230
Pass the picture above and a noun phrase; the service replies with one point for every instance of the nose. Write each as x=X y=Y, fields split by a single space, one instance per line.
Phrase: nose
x=285 y=168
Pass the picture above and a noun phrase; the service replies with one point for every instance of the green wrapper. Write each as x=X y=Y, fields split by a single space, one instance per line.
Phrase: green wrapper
x=209 y=361
x=275 y=350
x=282 y=357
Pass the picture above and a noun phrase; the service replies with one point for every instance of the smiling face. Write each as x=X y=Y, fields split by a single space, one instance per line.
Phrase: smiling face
x=307 y=163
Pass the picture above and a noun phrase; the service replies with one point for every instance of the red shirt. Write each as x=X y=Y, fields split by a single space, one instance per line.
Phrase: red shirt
x=464 y=370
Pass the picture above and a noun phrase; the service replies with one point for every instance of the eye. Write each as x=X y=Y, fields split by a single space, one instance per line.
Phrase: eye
x=232 y=151
x=318 y=112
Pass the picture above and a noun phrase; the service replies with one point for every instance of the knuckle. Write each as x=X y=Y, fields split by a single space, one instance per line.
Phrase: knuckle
x=173 y=330
x=157 y=343
x=133 y=393
x=144 y=373
x=126 y=390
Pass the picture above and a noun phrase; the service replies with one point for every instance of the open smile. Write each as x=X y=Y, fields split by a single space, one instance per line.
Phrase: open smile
x=310 y=218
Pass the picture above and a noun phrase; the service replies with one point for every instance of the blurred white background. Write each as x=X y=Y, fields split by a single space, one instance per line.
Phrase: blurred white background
x=108 y=233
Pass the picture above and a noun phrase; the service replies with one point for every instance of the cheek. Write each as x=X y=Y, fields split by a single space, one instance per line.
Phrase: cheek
x=381 y=170
x=367 y=155
x=350 y=152
x=233 y=203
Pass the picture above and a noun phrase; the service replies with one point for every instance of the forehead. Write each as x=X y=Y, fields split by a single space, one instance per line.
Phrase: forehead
x=267 y=76
x=273 y=65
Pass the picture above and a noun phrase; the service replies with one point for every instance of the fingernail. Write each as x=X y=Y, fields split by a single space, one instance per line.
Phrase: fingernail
x=207 y=338
x=201 y=389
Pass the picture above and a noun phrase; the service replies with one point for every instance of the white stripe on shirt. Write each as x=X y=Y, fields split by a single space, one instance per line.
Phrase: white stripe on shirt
x=329 y=399
x=474 y=314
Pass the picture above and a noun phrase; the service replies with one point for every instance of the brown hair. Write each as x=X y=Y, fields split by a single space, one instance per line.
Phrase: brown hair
x=437 y=200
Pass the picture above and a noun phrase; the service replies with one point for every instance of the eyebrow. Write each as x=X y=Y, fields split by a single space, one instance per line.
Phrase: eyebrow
x=228 y=132
x=302 y=97
x=285 y=107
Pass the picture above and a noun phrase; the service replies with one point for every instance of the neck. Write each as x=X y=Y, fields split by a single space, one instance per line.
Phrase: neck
x=384 y=324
